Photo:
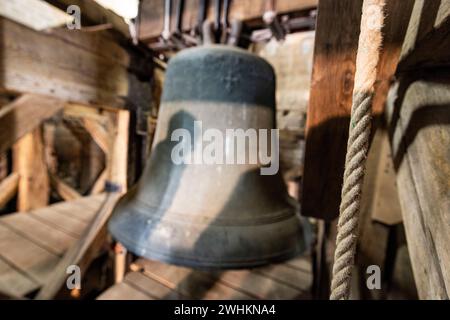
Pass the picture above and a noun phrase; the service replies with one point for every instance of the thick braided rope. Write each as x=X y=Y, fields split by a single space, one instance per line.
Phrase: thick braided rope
x=357 y=147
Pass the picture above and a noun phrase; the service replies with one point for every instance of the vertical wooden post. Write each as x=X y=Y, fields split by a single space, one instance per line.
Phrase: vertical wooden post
x=29 y=163
x=118 y=165
x=118 y=160
x=120 y=263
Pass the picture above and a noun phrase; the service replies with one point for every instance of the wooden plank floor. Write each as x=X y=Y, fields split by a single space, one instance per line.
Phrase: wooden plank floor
x=156 y=280
x=32 y=243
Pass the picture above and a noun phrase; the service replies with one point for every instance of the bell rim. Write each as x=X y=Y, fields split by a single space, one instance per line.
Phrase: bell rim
x=177 y=259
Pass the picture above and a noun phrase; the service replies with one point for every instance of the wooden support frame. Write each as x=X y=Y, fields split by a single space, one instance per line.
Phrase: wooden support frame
x=23 y=115
x=29 y=163
x=109 y=128
x=63 y=189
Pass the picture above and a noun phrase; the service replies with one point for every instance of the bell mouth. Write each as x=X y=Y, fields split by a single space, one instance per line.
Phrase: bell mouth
x=214 y=246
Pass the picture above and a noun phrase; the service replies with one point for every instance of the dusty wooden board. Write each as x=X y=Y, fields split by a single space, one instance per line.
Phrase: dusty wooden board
x=329 y=107
x=152 y=287
x=79 y=209
x=190 y=283
x=29 y=163
x=31 y=247
x=258 y=285
x=301 y=263
x=63 y=222
x=84 y=251
x=123 y=291
x=46 y=236
x=163 y=281
x=25 y=255
x=287 y=275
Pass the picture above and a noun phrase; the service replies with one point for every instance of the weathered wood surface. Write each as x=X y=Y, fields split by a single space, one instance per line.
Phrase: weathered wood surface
x=8 y=188
x=29 y=163
x=429 y=27
x=418 y=114
x=32 y=244
x=156 y=280
x=152 y=12
x=84 y=67
x=83 y=251
x=329 y=107
x=331 y=95
x=419 y=120
x=23 y=115
x=380 y=193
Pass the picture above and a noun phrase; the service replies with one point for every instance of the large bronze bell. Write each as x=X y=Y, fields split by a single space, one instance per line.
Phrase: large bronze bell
x=210 y=215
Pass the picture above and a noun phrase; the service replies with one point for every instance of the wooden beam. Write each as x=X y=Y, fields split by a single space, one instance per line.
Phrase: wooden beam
x=331 y=95
x=329 y=107
x=8 y=188
x=97 y=14
x=419 y=122
x=23 y=115
x=419 y=131
x=98 y=133
x=65 y=191
x=29 y=163
x=152 y=12
x=92 y=69
x=118 y=160
x=35 y=14
x=422 y=57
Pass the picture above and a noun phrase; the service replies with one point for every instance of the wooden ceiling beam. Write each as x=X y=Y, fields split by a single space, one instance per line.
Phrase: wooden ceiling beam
x=151 y=13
